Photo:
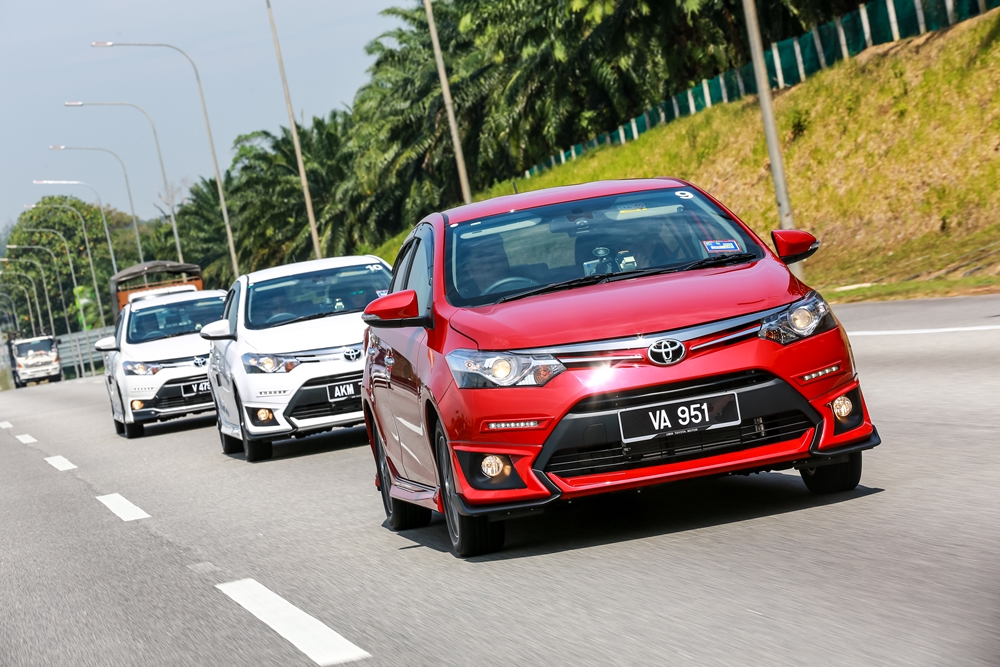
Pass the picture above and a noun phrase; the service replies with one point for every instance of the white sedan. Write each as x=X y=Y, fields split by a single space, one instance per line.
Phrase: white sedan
x=287 y=356
x=155 y=366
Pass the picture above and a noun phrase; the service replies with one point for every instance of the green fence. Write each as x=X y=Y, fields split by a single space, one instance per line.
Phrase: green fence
x=791 y=61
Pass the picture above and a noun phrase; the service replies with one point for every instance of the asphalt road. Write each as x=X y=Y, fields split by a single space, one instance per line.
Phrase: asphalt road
x=735 y=571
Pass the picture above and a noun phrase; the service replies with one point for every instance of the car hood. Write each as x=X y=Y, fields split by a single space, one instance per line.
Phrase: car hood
x=630 y=307
x=166 y=349
x=333 y=331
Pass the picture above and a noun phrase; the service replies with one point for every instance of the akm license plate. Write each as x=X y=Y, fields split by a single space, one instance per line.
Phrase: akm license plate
x=343 y=391
x=195 y=388
x=675 y=417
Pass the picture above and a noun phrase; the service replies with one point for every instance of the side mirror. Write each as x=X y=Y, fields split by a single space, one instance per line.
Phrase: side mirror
x=392 y=311
x=793 y=245
x=218 y=330
x=106 y=345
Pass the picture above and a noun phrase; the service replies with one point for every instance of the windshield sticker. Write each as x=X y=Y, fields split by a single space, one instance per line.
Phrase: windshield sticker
x=684 y=194
x=381 y=292
x=722 y=246
x=631 y=208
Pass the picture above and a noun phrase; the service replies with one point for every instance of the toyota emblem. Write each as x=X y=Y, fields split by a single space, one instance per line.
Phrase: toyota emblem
x=200 y=361
x=352 y=354
x=666 y=351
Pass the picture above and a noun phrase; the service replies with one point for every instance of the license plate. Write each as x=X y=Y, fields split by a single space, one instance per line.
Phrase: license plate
x=195 y=388
x=343 y=391
x=676 y=417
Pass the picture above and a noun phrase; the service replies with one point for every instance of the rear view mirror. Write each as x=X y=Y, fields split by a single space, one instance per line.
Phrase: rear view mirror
x=793 y=245
x=106 y=345
x=399 y=309
x=218 y=330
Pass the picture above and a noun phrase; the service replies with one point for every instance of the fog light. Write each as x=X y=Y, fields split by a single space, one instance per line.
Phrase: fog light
x=842 y=407
x=137 y=405
x=492 y=465
x=264 y=415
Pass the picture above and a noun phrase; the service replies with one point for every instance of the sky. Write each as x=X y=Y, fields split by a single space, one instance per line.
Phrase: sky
x=46 y=60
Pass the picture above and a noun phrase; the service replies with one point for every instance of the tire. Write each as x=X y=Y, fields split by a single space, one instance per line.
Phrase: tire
x=400 y=514
x=253 y=450
x=134 y=430
x=835 y=478
x=470 y=535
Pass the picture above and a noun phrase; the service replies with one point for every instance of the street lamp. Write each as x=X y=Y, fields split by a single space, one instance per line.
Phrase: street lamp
x=211 y=143
x=34 y=287
x=62 y=299
x=45 y=288
x=14 y=307
x=135 y=220
x=90 y=257
x=72 y=274
x=27 y=298
x=166 y=186
x=295 y=138
x=107 y=233
x=456 y=140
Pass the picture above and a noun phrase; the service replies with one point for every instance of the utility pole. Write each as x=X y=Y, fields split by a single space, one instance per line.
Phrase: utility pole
x=456 y=140
x=770 y=127
x=295 y=138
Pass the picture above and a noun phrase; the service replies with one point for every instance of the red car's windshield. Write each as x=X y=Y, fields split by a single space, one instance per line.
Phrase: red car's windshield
x=520 y=252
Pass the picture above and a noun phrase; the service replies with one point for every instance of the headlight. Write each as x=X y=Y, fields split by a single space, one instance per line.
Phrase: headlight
x=268 y=363
x=140 y=368
x=477 y=370
x=801 y=319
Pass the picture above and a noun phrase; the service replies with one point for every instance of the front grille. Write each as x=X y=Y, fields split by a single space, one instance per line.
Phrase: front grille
x=671 y=392
x=750 y=433
x=166 y=402
x=311 y=400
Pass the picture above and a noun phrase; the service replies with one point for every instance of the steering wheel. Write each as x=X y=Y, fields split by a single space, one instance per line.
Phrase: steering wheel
x=509 y=283
x=278 y=317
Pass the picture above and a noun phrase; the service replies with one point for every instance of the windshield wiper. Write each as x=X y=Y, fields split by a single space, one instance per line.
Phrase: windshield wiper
x=719 y=260
x=314 y=316
x=555 y=287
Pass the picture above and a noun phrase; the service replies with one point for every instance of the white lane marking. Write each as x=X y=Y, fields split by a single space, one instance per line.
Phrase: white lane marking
x=25 y=438
x=6 y=425
x=98 y=381
x=125 y=510
x=60 y=463
x=319 y=642
x=909 y=332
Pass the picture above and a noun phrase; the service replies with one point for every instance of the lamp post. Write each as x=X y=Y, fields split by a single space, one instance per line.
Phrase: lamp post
x=456 y=140
x=211 y=143
x=27 y=298
x=100 y=204
x=135 y=220
x=166 y=186
x=295 y=138
x=90 y=257
x=34 y=287
x=72 y=274
x=62 y=299
x=770 y=127
x=13 y=306
x=45 y=287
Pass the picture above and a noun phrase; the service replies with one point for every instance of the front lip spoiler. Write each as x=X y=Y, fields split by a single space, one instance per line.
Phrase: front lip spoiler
x=513 y=510
x=871 y=442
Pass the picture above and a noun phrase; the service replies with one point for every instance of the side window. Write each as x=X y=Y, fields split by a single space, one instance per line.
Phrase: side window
x=120 y=328
x=232 y=307
x=399 y=269
x=419 y=277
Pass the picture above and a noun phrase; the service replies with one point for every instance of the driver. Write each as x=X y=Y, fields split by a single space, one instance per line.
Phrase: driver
x=265 y=304
x=482 y=264
x=144 y=325
x=650 y=251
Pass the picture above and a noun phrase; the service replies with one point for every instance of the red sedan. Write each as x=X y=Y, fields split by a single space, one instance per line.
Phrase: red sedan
x=596 y=338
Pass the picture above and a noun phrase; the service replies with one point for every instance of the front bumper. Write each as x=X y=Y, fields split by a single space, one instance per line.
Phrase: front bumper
x=34 y=373
x=166 y=398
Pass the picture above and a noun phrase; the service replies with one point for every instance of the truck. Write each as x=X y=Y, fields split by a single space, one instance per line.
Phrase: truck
x=34 y=360
x=155 y=277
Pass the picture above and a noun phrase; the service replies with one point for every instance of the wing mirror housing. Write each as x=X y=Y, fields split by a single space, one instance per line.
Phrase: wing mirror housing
x=794 y=245
x=396 y=310
x=218 y=330
x=106 y=344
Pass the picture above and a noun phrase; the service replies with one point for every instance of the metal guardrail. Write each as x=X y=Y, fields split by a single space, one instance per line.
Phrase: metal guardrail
x=78 y=347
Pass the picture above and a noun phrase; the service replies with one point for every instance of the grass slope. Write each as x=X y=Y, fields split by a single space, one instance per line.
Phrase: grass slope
x=893 y=161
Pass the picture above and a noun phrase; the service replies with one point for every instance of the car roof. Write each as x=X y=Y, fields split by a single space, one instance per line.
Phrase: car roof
x=178 y=297
x=297 y=268
x=557 y=195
